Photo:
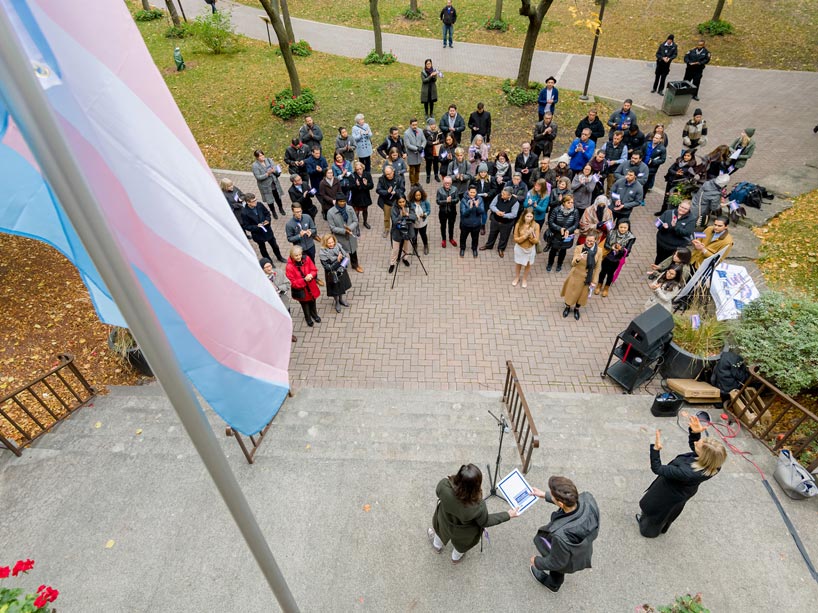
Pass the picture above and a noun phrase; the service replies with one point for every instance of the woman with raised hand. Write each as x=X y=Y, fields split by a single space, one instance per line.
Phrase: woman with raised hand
x=616 y=248
x=428 y=87
x=678 y=481
x=526 y=237
x=461 y=514
x=583 y=276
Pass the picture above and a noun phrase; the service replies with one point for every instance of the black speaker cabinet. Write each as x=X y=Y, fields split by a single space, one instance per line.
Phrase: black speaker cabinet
x=650 y=330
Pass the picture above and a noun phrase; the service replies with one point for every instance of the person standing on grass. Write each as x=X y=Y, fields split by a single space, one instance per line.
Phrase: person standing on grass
x=362 y=136
x=310 y=134
x=452 y=123
x=526 y=237
x=480 y=123
x=545 y=131
x=695 y=61
x=665 y=54
x=548 y=98
x=428 y=88
x=448 y=16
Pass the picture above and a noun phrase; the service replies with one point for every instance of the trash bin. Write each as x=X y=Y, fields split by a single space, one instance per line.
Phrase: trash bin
x=677 y=97
x=666 y=404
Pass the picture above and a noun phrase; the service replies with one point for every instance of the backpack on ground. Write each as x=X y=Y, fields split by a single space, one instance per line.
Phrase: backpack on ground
x=748 y=194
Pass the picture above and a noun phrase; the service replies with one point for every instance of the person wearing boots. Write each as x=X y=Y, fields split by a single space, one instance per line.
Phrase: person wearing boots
x=434 y=140
x=255 y=219
x=694 y=134
x=472 y=210
x=302 y=273
x=335 y=260
x=566 y=543
x=618 y=245
x=343 y=223
x=563 y=223
x=504 y=210
x=695 y=61
x=665 y=54
x=359 y=197
x=583 y=276
x=266 y=174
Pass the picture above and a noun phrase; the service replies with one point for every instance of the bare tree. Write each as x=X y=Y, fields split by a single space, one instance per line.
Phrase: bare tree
x=283 y=45
x=376 y=26
x=719 y=7
x=535 y=19
x=285 y=17
x=498 y=10
x=174 y=15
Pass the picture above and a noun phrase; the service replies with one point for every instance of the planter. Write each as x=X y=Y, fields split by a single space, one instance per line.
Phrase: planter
x=133 y=357
x=681 y=364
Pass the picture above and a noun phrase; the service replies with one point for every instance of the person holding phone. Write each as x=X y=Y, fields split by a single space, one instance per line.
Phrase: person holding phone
x=461 y=515
x=678 y=481
x=472 y=209
x=335 y=261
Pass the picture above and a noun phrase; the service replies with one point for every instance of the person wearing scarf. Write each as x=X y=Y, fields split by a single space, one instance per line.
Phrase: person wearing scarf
x=618 y=245
x=583 y=276
x=501 y=171
x=597 y=217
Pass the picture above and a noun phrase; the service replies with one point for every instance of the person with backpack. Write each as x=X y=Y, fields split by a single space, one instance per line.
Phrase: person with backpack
x=448 y=16
x=566 y=543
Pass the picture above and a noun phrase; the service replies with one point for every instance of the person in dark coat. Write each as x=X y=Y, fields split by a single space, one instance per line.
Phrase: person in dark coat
x=593 y=123
x=480 y=123
x=234 y=196
x=428 y=88
x=675 y=228
x=472 y=212
x=301 y=195
x=566 y=543
x=295 y=156
x=461 y=514
x=452 y=123
x=389 y=189
x=665 y=54
x=678 y=482
x=335 y=261
x=695 y=61
x=316 y=168
x=526 y=164
x=545 y=132
x=563 y=222
x=255 y=219
x=310 y=134
x=359 y=197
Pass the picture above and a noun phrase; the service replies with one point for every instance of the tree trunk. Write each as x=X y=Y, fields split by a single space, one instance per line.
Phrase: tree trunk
x=535 y=19
x=173 y=14
x=288 y=24
x=719 y=7
x=413 y=5
x=376 y=26
x=146 y=5
x=283 y=45
x=498 y=10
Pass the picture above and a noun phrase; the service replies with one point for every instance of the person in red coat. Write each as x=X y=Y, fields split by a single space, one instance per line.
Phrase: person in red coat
x=302 y=274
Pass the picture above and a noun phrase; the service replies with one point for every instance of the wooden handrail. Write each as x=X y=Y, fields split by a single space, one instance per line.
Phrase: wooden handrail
x=525 y=432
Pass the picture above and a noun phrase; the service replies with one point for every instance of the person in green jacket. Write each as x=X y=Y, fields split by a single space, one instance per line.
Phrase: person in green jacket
x=742 y=149
x=461 y=514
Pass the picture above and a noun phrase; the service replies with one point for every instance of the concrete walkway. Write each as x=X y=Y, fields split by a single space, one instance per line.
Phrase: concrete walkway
x=779 y=104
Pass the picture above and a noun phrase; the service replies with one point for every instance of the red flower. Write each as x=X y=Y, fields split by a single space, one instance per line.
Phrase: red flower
x=51 y=594
x=293 y=97
x=41 y=601
x=22 y=566
x=4 y=572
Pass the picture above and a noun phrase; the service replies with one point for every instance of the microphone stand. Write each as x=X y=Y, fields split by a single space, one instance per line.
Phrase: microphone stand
x=503 y=424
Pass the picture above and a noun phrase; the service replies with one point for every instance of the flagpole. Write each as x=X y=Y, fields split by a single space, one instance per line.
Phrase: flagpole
x=25 y=96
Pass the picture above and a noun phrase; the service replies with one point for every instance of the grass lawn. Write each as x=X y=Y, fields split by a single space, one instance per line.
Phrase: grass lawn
x=779 y=34
x=225 y=98
x=789 y=248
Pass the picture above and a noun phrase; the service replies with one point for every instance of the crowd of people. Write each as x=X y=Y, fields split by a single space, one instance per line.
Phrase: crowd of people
x=580 y=202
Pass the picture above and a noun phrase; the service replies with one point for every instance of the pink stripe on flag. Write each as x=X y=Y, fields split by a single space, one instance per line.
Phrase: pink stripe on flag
x=254 y=341
x=14 y=140
x=120 y=47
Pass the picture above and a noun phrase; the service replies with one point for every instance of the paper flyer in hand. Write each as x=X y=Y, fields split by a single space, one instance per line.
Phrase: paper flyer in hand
x=516 y=490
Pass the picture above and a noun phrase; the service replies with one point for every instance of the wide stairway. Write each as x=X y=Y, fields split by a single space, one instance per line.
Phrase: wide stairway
x=116 y=508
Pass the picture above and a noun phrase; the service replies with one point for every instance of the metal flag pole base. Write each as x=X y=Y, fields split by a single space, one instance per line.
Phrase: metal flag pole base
x=501 y=421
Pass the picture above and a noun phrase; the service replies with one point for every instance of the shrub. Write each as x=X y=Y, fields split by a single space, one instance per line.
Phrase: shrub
x=496 y=24
x=384 y=60
x=779 y=333
x=519 y=96
x=301 y=48
x=285 y=105
x=143 y=15
x=412 y=15
x=215 y=31
x=181 y=31
x=682 y=604
x=716 y=28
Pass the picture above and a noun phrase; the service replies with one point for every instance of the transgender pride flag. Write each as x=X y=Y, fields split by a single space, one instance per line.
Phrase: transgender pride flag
x=228 y=329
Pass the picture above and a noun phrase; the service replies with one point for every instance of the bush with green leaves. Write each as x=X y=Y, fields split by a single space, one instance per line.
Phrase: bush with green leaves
x=215 y=31
x=181 y=31
x=518 y=96
x=716 y=28
x=778 y=332
x=301 y=48
x=285 y=105
x=412 y=15
x=682 y=604
x=496 y=24
x=151 y=15
x=384 y=59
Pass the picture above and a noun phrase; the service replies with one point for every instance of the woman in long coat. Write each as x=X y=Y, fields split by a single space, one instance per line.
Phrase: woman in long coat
x=428 y=88
x=461 y=514
x=343 y=223
x=582 y=278
x=335 y=261
x=678 y=482
x=328 y=191
x=267 y=174
x=359 y=197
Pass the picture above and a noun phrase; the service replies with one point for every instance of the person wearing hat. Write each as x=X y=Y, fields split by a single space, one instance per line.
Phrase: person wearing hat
x=280 y=282
x=742 y=149
x=504 y=210
x=694 y=134
x=548 y=98
x=665 y=54
x=695 y=61
x=707 y=201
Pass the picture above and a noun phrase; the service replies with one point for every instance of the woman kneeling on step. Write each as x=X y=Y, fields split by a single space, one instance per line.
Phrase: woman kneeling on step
x=584 y=272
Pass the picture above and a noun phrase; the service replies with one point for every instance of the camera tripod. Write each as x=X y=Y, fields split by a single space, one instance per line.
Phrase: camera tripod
x=401 y=253
x=501 y=421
